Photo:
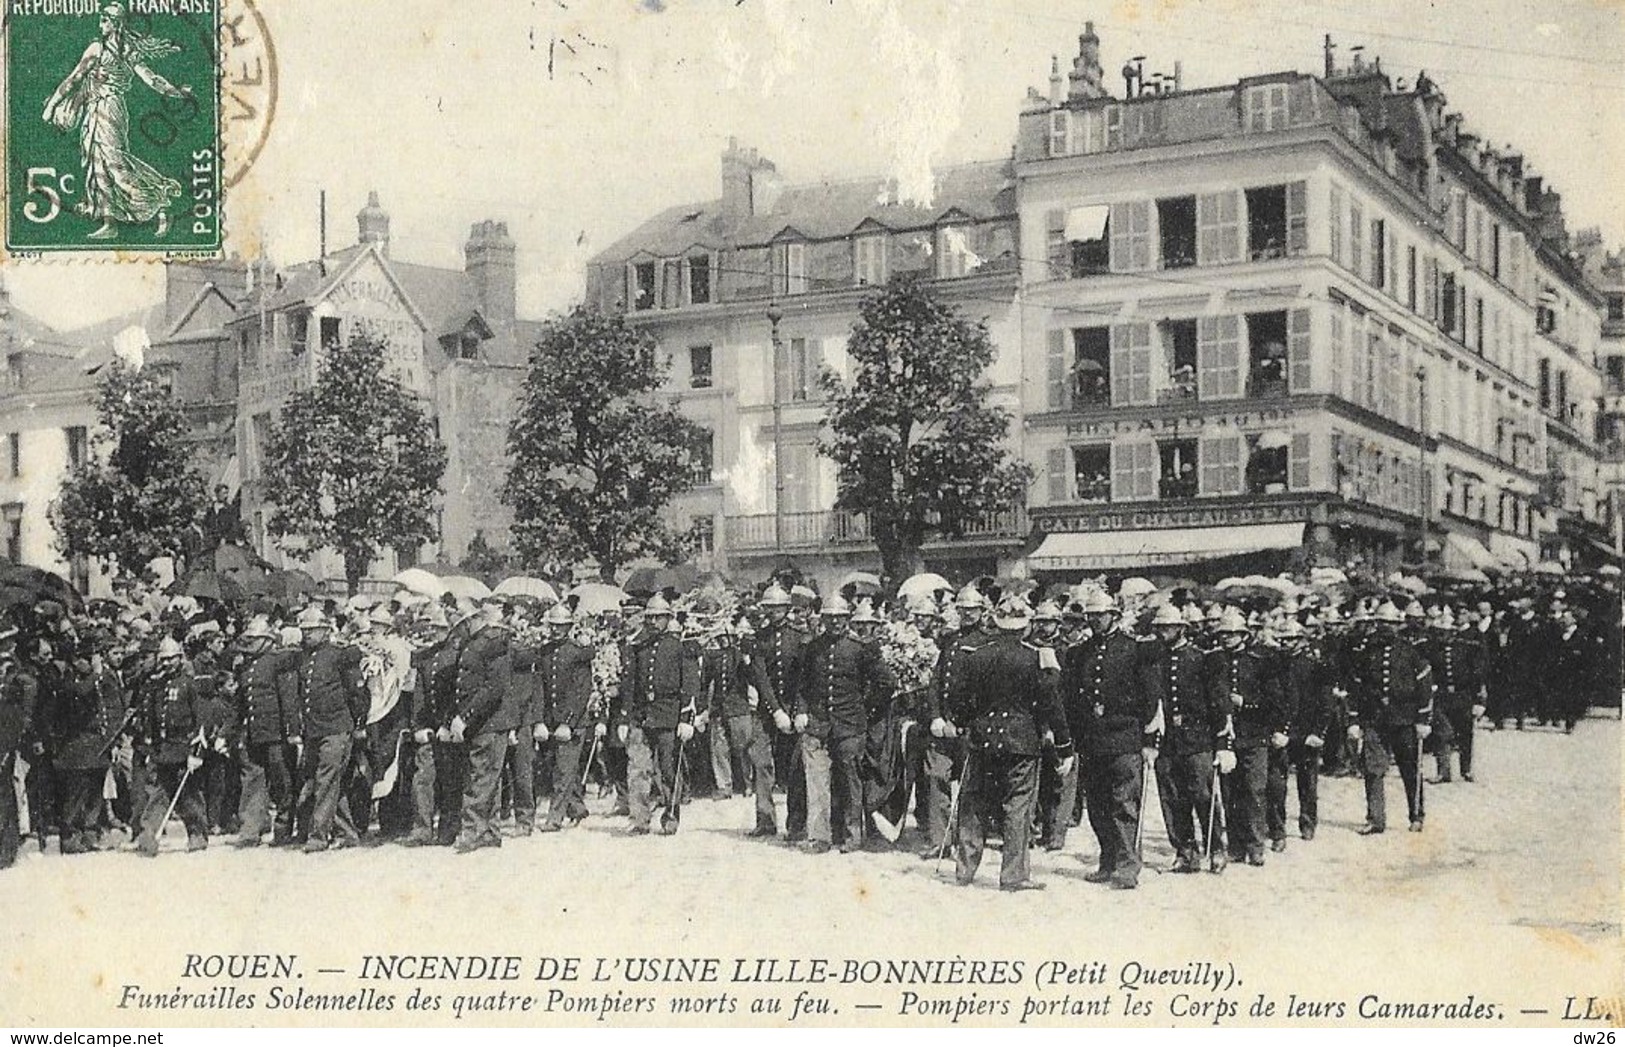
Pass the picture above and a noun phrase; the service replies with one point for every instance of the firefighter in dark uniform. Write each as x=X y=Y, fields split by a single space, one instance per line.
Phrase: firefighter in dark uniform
x=1458 y=680
x=1392 y=713
x=1191 y=723
x=333 y=706
x=565 y=672
x=488 y=710
x=532 y=733
x=439 y=765
x=1109 y=684
x=736 y=687
x=1306 y=690
x=172 y=738
x=1242 y=684
x=842 y=681
x=268 y=729
x=778 y=646
x=19 y=696
x=659 y=692
x=1007 y=695
x=88 y=720
x=944 y=750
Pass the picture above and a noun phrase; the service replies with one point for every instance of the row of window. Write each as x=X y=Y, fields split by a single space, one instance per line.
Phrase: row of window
x=1113 y=126
x=77 y=438
x=291 y=327
x=1467 y=495
x=1133 y=469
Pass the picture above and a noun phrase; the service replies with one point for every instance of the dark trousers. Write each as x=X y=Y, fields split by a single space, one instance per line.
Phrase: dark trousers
x=1185 y=789
x=521 y=767
x=834 y=782
x=934 y=786
x=727 y=753
x=483 y=791
x=10 y=831
x=788 y=770
x=1244 y=801
x=439 y=772
x=1003 y=786
x=41 y=789
x=1455 y=733
x=222 y=782
x=270 y=780
x=1057 y=797
x=1384 y=747
x=567 y=802
x=651 y=776
x=1111 y=795
x=1299 y=761
x=326 y=768
x=752 y=749
x=81 y=806
x=167 y=780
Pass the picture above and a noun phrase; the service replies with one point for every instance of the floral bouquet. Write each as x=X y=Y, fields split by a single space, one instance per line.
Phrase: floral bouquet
x=910 y=656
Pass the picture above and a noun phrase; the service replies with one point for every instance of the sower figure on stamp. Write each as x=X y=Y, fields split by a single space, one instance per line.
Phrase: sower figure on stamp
x=1392 y=713
x=1007 y=694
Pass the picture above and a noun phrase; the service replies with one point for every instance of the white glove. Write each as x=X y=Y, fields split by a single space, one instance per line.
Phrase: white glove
x=1314 y=741
x=1423 y=730
x=781 y=720
x=458 y=727
x=1157 y=724
x=1354 y=732
x=938 y=727
x=421 y=736
x=194 y=762
x=1278 y=740
x=950 y=729
x=801 y=721
x=513 y=737
x=601 y=730
x=539 y=732
x=1236 y=697
x=562 y=732
x=1225 y=760
x=444 y=734
x=1149 y=754
x=220 y=746
x=1049 y=736
x=1478 y=710
x=685 y=731
x=1339 y=693
x=1064 y=768
x=702 y=721
x=621 y=733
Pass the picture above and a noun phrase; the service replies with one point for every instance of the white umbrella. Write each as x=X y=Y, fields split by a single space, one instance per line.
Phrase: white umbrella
x=1327 y=576
x=465 y=587
x=417 y=580
x=597 y=597
x=1136 y=587
x=923 y=584
x=526 y=586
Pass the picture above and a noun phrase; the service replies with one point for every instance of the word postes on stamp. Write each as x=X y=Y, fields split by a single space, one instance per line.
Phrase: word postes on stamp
x=113 y=125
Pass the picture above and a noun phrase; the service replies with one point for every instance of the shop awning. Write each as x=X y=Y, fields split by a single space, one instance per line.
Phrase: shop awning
x=1510 y=554
x=1464 y=552
x=1119 y=550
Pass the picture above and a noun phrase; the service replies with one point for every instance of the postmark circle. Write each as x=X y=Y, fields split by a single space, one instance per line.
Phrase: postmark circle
x=248 y=87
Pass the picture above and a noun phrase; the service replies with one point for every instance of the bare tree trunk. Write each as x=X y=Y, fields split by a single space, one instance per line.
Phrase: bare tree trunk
x=355 y=565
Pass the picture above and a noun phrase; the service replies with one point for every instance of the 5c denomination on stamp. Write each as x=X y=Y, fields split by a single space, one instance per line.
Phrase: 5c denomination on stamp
x=113 y=125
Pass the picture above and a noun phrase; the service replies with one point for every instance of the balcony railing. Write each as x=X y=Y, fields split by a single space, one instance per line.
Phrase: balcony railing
x=838 y=529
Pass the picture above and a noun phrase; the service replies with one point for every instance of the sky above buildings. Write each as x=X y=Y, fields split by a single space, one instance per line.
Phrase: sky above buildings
x=572 y=120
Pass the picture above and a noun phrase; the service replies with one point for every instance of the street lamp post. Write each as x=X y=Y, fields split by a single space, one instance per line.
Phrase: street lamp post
x=774 y=315
x=1426 y=479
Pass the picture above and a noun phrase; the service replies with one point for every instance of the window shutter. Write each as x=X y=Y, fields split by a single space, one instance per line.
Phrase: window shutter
x=1218 y=228
x=1055 y=487
x=1055 y=397
x=1334 y=215
x=1145 y=469
x=1356 y=239
x=1256 y=111
x=1299 y=352
x=1134 y=470
x=1430 y=291
x=1058 y=132
x=1297 y=218
x=1060 y=262
x=1219 y=460
x=1218 y=357
x=1122 y=471
x=1131 y=363
x=1301 y=102
x=1131 y=237
x=1298 y=463
x=1114 y=126
x=1339 y=350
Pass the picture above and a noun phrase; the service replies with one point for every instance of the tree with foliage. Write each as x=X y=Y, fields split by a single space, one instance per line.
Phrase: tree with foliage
x=918 y=448
x=137 y=495
x=596 y=455
x=354 y=464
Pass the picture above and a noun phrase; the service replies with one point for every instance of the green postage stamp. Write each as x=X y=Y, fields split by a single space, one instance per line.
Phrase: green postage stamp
x=113 y=125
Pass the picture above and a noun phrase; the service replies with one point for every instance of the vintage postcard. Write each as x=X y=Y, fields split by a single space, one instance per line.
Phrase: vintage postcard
x=751 y=513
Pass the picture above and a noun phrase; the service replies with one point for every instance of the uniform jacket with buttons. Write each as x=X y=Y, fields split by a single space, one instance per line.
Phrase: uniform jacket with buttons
x=953 y=648
x=90 y=711
x=525 y=677
x=216 y=706
x=1263 y=709
x=1110 y=687
x=844 y=683
x=565 y=670
x=1007 y=692
x=19 y=694
x=486 y=698
x=660 y=682
x=170 y=714
x=267 y=709
x=1191 y=719
x=332 y=695
x=729 y=673
x=434 y=701
x=1306 y=690
x=1393 y=684
x=779 y=647
x=1458 y=670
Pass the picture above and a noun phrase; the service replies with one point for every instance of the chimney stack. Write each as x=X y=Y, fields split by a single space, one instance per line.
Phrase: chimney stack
x=1086 y=78
x=489 y=260
x=750 y=182
x=1057 y=86
x=372 y=223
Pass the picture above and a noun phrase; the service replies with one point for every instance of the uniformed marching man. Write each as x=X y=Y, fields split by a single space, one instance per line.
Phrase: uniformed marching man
x=1391 y=713
x=532 y=731
x=1057 y=792
x=659 y=692
x=1006 y=693
x=1110 y=688
x=174 y=742
x=1457 y=660
x=333 y=707
x=565 y=672
x=736 y=687
x=1306 y=692
x=1243 y=685
x=488 y=710
x=89 y=717
x=944 y=749
x=841 y=678
x=268 y=732
x=1191 y=725
x=19 y=697
x=778 y=645
x=439 y=765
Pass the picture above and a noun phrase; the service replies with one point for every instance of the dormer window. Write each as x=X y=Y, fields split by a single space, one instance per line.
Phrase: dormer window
x=954 y=254
x=468 y=346
x=790 y=268
x=699 y=279
x=869 y=261
x=640 y=286
x=299 y=331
